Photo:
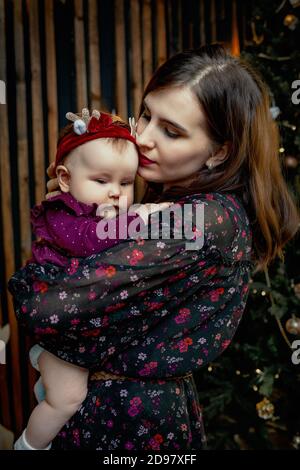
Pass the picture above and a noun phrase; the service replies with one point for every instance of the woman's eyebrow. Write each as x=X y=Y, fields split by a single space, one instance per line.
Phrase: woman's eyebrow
x=172 y=123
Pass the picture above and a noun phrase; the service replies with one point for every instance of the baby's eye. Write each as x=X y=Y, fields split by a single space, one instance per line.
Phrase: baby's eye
x=101 y=181
x=127 y=183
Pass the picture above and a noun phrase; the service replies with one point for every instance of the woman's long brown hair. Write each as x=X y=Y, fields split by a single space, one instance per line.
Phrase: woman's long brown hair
x=235 y=102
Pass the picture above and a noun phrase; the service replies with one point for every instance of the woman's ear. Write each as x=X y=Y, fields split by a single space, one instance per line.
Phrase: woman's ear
x=221 y=154
x=63 y=178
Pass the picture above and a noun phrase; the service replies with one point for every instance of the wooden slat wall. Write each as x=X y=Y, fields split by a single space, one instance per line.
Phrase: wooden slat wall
x=107 y=75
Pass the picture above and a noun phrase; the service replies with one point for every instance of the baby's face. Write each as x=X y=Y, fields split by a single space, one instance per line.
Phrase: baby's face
x=101 y=173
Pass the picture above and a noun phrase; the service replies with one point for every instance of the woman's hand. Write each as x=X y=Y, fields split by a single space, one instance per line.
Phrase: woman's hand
x=52 y=184
x=144 y=210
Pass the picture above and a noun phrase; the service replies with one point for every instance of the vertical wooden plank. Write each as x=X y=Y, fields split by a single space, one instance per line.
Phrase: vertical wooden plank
x=202 y=23
x=121 y=75
x=36 y=96
x=147 y=42
x=81 y=81
x=235 y=42
x=52 y=118
x=161 y=33
x=179 y=16
x=94 y=55
x=213 y=22
x=6 y=204
x=136 y=56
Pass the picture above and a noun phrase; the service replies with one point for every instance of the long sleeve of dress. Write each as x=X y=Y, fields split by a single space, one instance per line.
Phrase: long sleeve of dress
x=68 y=227
x=146 y=307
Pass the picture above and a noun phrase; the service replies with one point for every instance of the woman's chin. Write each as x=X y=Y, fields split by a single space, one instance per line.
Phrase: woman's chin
x=149 y=174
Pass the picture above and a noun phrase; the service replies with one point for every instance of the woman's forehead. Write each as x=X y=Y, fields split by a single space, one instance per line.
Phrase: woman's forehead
x=177 y=104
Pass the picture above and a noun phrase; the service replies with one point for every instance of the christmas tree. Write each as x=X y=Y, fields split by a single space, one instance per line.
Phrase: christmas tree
x=250 y=395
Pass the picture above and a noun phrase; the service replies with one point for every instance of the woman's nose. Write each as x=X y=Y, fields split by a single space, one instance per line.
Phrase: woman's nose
x=144 y=137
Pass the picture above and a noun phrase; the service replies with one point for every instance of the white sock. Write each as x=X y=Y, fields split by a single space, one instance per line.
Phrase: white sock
x=22 y=444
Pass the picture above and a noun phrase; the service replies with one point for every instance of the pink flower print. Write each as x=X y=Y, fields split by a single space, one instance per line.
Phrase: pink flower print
x=110 y=424
x=225 y=344
x=180 y=319
x=220 y=219
x=129 y=445
x=153 y=444
x=133 y=411
x=182 y=346
x=147 y=368
x=183 y=427
x=75 y=321
x=24 y=309
x=138 y=254
x=73 y=266
x=113 y=308
x=135 y=401
x=92 y=295
x=100 y=272
x=239 y=254
x=54 y=319
x=153 y=365
x=111 y=350
x=214 y=296
x=210 y=271
x=209 y=197
x=133 y=261
x=76 y=437
x=184 y=311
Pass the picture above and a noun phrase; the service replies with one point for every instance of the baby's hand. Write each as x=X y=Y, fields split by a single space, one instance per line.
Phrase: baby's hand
x=52 y=184
x=146 y=209
x=107 y=211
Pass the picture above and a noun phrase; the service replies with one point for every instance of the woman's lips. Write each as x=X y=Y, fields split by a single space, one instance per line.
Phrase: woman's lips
x=144 y=161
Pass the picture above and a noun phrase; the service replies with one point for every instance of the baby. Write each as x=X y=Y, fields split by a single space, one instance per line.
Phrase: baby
x=96 y=163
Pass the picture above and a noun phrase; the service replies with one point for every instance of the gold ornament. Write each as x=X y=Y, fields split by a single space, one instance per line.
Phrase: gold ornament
x=265 y=409
x=291 y=161
x=291 y=21
x=293 y=325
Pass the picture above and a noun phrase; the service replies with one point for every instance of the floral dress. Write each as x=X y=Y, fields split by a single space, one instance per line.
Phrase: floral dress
x=150 y=311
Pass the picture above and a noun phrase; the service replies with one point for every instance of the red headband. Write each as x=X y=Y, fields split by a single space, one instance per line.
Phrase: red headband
x=97 y=127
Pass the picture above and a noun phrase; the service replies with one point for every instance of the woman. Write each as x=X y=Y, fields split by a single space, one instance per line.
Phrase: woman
x=161 y=311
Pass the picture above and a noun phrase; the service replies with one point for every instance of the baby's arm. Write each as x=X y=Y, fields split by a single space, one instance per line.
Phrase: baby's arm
x=78 y=235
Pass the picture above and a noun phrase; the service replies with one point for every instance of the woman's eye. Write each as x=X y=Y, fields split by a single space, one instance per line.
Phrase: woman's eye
x=145 y=116
x=170 y=134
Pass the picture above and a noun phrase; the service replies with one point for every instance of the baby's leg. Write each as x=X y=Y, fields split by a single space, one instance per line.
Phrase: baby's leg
x=66 y=388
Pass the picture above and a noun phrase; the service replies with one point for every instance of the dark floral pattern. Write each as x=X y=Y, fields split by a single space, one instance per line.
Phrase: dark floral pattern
x=148 y=309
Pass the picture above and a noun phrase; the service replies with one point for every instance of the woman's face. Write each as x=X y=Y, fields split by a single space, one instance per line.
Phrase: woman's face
x=171 y=133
